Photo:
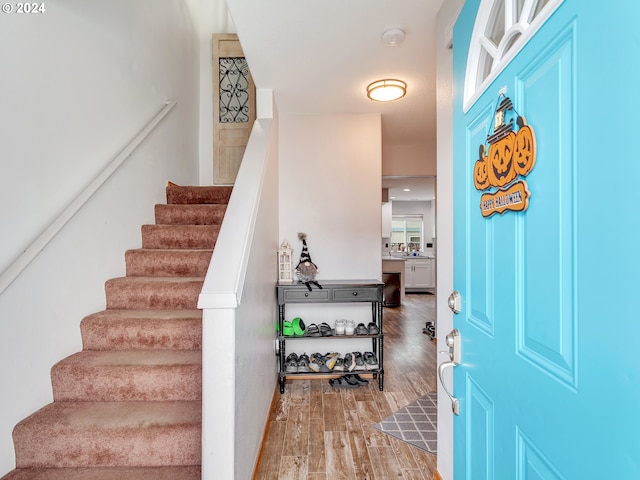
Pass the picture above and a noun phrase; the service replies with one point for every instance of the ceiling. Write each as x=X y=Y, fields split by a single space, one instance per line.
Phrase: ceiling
x=318 y=56
x=410 y=188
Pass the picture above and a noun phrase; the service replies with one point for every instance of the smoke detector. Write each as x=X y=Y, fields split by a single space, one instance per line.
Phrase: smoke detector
x=393 y=36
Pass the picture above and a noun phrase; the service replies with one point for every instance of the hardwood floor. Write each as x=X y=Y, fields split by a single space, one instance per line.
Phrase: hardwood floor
x=318 y=432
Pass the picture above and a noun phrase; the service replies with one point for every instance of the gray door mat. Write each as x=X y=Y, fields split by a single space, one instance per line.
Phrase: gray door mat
x=416 y=424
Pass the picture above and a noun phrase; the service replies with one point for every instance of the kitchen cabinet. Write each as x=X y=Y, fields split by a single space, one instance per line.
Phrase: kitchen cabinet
x=419 y=274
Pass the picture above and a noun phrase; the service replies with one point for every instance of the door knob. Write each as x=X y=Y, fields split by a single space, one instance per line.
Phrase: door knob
x=454 y=301
x=453 y=342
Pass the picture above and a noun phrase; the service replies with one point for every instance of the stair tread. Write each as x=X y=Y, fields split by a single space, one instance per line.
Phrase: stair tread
x=110 y=473
x=167 y=262
x=128 y=375
x=177 y=194
x=146 y=314
x=156 y=293
x=132 y=358
x=76 y=415
x=106 y=434
x=182 y=236
x=189 y=214
x=159 y=251
x=121 y=329
x=148 y=279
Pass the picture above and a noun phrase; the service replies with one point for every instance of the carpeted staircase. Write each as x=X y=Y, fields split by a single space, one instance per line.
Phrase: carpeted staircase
x=128 y=407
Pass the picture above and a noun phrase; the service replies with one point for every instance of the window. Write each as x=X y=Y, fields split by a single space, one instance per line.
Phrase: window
x=502 y=28
x=407 y=233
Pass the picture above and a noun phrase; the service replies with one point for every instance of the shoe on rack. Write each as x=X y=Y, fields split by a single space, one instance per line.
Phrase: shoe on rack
x=370 y=360
x=359 y=361
x=339 y=366
x=330 y=360
x=303 y=363
x=325 y=330
x=340 y=327
x=349 y=327
x=349 y=362
x=313 y=330
x=361 y=329
x=291 y=363
x=316 y=362
x=372 y=329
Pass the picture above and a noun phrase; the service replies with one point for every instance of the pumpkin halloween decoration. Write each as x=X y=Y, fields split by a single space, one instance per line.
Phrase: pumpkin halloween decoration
x=525 y=149
x=500 y=163
x=511 y=154
x=480 y=172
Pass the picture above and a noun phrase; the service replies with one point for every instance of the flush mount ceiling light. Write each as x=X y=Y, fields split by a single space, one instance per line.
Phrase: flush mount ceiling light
x=386 y=90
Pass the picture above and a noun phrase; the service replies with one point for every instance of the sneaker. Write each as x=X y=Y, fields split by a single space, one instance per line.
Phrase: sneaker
x=349 y=327
x=370 y=360
x=340 y=327
x=357 y=356
x=330 y=360
x=361 y=329
x=373 y=329
x=316 y=362
x=339 y=366
x=291 y=363
x=349 y=362
x=303 y=363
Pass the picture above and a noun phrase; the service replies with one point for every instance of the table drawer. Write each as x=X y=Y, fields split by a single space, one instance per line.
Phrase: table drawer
x=306 y=296
x=355 y=294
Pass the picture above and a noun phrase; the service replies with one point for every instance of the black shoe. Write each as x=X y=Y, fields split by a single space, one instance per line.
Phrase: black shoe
x=342 y=383
x=351 y=381
x=357 y=378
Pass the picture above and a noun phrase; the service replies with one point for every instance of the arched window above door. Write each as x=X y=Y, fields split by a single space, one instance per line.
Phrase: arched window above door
x=501 y=29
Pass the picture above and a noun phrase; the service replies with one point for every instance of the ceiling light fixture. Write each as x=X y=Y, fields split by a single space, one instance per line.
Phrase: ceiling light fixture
x=386 y=90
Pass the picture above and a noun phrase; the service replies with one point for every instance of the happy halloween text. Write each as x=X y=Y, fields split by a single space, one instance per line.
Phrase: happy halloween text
x=515 y=198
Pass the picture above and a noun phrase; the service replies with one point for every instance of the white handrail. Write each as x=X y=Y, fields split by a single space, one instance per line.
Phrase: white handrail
x=26 y=257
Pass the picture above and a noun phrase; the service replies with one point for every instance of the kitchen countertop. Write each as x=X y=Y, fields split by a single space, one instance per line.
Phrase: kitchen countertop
x=406 y=257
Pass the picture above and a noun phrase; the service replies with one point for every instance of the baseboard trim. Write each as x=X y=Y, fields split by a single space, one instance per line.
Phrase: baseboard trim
x=276 y=391
x=436 y=475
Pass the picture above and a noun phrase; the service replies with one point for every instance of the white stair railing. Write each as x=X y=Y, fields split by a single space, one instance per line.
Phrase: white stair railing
x=32 y=251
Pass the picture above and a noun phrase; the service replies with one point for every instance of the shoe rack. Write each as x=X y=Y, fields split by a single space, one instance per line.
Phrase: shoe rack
x=332 y=292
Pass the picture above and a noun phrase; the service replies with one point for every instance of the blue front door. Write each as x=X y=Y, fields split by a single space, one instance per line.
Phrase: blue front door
x=549 y=380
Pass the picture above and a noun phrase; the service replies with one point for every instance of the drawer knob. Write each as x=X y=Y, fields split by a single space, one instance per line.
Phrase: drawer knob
x=355 y=294
x=306 y=294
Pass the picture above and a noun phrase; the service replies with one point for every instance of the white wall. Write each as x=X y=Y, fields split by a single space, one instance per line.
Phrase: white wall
x=408 y=160
x=330 y=184
x=79 y=82
x=444 y=221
